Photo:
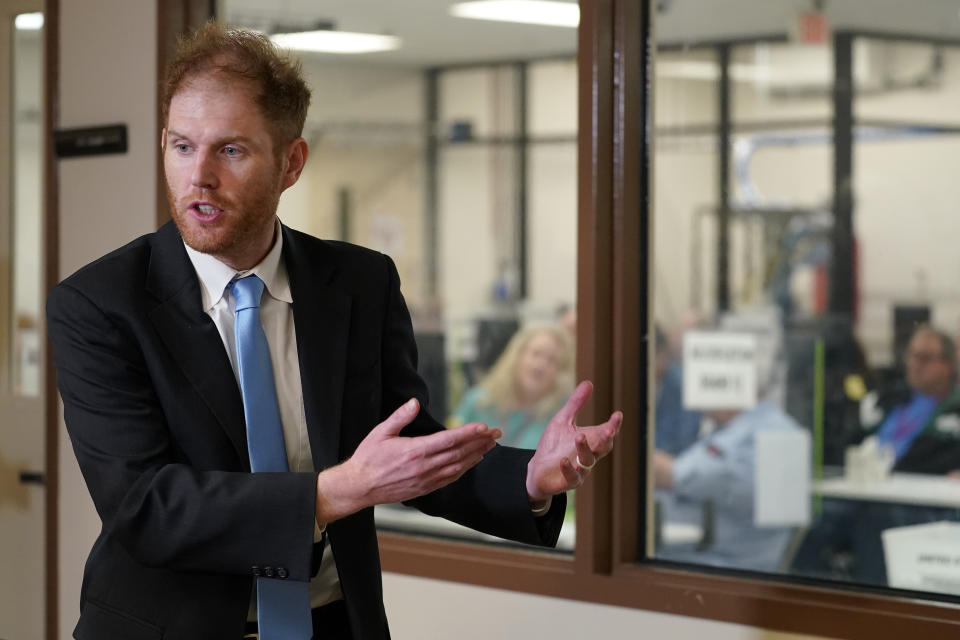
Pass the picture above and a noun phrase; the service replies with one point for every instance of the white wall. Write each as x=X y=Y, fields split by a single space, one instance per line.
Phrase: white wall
x=420 y=609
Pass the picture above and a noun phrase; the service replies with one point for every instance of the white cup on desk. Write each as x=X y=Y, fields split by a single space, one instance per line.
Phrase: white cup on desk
x=868 y=462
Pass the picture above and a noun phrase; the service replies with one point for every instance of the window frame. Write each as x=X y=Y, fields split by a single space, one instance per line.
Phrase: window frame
x=614 y=288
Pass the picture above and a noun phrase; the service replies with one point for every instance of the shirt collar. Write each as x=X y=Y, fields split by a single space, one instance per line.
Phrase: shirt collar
x=214 y=275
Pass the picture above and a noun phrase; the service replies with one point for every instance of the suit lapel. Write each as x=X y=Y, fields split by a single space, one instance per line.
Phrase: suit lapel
x=321 y=315
x=192 y=337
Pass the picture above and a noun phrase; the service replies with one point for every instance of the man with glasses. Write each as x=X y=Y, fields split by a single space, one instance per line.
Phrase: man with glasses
x=921 y=423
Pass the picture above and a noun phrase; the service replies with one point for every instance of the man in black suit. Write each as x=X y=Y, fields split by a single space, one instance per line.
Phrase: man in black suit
x=146 y=365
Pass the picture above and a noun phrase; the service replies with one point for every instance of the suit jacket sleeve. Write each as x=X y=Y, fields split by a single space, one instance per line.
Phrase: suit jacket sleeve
x=491 y=497
x=165 y=507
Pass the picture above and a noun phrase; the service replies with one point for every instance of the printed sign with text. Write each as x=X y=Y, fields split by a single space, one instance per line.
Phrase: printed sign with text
x=719 y=370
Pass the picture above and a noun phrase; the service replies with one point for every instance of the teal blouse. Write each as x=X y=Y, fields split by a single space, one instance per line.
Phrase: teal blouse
x=520 y=428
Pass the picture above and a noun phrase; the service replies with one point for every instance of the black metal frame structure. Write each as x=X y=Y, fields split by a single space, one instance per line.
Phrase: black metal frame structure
x=842 y=274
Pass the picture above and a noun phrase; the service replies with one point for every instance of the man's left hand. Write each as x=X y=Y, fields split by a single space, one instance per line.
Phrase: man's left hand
x=566 y=453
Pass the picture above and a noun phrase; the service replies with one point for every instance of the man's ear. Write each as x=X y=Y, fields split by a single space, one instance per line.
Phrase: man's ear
x=295 y=158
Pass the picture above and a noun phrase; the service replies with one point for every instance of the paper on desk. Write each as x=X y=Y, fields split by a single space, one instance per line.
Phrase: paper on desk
x=782 y=478
x=924 y=557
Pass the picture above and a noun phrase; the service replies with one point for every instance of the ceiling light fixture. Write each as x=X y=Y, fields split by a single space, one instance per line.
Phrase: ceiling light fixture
x=28 y=21
x=326 y=41
x=544 y=12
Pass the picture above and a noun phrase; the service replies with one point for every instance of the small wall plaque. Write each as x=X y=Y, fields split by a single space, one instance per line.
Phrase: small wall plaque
x=90 y=141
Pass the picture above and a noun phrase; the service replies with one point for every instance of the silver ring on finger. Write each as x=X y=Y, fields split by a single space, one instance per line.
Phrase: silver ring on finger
x=585 y=467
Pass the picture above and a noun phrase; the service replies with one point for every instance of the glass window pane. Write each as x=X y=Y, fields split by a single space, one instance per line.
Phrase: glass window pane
x=27 y=165
x=807 y=418
x=455 y=154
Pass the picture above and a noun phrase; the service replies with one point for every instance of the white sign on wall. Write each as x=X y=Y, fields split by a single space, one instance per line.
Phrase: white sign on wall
x=719 y=370
x=386 y=235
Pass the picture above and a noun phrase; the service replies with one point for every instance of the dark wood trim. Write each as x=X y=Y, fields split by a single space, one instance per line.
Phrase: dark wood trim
x=167 y=30
x=631 y=259
x=593 y=552
x=51 y=275
x=174 y=18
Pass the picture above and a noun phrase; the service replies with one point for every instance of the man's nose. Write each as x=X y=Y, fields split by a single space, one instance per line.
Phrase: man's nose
x=204 y=175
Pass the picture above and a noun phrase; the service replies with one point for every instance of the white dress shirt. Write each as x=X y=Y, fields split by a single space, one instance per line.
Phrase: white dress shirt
x=276 y=314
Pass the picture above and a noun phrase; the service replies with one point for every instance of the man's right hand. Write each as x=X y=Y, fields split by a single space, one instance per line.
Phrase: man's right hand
x=388 y=468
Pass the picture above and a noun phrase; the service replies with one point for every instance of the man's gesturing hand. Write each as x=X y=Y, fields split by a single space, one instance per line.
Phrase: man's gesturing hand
x=566 y=453
x=389 y=468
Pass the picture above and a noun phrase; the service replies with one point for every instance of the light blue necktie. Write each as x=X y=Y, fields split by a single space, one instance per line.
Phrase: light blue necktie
x=283 y=606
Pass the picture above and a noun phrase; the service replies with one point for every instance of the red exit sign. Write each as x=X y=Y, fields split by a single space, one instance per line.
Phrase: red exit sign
x=812 y=28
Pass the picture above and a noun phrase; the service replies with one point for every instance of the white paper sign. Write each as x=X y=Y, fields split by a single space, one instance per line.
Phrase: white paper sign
x=925 y=557
x=719 y=370
x=781 y=495
x=386 y=235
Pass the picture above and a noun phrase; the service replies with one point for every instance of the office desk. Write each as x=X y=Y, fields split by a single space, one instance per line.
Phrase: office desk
x=899 y=488
x=845 y=541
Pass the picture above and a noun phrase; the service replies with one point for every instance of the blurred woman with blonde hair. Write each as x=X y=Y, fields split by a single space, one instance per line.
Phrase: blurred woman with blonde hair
x=525 y=387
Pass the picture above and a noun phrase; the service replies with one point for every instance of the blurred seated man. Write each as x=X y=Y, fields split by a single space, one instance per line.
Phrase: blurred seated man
x=525 y=387
x=920 y=422
x=718 y=470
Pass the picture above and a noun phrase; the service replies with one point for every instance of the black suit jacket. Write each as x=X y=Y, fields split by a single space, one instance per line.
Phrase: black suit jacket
x=156 y=421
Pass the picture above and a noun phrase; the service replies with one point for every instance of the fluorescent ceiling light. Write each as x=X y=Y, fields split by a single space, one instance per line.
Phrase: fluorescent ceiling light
x=336 y=41
x=546 y=12
x=28 y=21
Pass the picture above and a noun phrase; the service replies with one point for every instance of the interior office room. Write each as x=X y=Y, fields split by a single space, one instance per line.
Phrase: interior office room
x=734 y=216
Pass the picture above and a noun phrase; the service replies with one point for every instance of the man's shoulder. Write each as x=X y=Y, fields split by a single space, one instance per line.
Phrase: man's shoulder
x=121 y=272
x=335 y=260
x=951 y=404
x=337 y=250
x=122 y=262
x=765 y=415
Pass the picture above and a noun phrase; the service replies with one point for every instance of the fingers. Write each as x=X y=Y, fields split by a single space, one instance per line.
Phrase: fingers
x=400 y=418
x=464 y=450
x=600 y=437
x=585 y=457
x=448 y=473
x=447 y=465
x=446 y=459
x=616 y=419
x=575 y=402
x=456 y=438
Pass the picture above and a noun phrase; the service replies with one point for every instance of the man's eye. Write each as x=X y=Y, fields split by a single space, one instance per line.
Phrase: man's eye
x=231 y=151
x=181 y=148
